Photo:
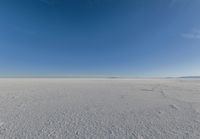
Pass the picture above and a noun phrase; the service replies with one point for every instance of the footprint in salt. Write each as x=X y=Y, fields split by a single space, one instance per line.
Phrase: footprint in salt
x=1 y=124
x=147 y=90
x=173 y=106
x=136 y=136
x=1 y=128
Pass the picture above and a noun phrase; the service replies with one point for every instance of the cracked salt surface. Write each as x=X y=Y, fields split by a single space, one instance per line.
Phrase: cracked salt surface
x=99 y=109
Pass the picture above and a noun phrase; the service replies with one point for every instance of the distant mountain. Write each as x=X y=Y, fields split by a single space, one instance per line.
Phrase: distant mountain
x=190 y=77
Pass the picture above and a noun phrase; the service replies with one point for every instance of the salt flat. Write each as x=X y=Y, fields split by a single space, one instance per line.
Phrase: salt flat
x=99 y=109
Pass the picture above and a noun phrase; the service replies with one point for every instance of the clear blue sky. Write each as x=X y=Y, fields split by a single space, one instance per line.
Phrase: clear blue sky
x=100 y=37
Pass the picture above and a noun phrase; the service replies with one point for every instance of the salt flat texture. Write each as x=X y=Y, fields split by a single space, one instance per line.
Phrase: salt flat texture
x=99 y=109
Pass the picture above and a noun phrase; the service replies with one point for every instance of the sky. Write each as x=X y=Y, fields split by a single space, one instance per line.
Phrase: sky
x=133 y=38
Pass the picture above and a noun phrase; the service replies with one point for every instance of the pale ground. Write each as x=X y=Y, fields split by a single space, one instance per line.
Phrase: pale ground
x=99 y=109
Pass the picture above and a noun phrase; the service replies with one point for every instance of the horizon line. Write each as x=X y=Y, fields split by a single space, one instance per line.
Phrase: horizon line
x=91 y=76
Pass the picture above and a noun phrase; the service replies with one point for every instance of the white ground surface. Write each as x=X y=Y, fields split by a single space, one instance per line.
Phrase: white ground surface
x=99 y=109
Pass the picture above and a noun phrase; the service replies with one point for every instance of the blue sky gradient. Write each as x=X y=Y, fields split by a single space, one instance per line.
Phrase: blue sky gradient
x=135 y=38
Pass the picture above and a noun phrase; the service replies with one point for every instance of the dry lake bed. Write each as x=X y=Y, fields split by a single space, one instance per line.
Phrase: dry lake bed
x=99 y=108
